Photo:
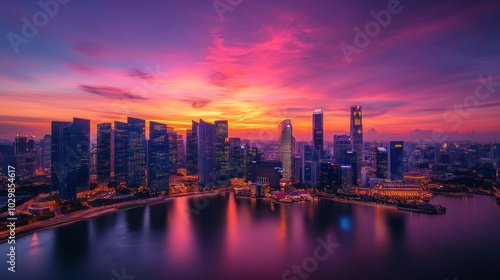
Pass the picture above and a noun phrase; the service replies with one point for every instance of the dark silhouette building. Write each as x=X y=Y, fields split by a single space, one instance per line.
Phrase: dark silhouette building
x=192 y=149
x=381 y=165
x=158 y=157
x=70 y=155
x=136 y=153
x=396 y=161
x=120 y=152
x=103 y=160
x=267 y=172
x=206 y=154
x=331 y=177
x=317 y=125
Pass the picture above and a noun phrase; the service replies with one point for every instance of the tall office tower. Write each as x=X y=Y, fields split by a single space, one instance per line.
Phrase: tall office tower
x=357 y=137
x=120 y=152
x=299 y=147
x=235 y=158
x=172 y=150
x=103 y=155
x=222 y=157
x=396 y=161
x=192 y=149
x=251 y=155
x=181 y=152
x=351 y=159
x=331 y=176
x=136 y=153
x=297 y=167
x=70 y=155
x=381 y=163
x=25 y=156
x=206 y=154
x=93 y=160
x=56 y=165
x=81 y=130
x=317 y=124
x=310 y=166
x=341 y=144
x=20 y=145
x=286 y=147
x=45 y=143
x=158 y=157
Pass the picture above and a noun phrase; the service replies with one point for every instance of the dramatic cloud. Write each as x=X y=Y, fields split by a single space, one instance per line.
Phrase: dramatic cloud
x=109 y=92
x=266 y=62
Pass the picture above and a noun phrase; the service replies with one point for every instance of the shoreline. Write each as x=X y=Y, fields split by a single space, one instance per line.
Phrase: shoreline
x=366 y=203
x=92 y=213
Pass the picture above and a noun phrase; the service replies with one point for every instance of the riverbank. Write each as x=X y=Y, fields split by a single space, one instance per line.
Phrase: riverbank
x=366 y=203
x=92 y=213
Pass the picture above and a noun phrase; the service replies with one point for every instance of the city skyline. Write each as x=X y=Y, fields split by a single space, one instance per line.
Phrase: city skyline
x=255 y=69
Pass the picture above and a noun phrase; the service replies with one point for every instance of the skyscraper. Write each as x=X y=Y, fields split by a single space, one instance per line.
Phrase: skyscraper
x=103 y=161
x=357 y=137
x=310 y=166
x=285 y=147
x=317 y=124
x=181 y=152
x=120 y=152
x=341 y=144
x=158 y=157
x=70 y=155
x=136 y=153
x=192 y=149
x=172 y=150
x=81 y=130
x=331 y=177
x=45 y=143
x=351 y=159
x=396 y=162
x=222 y=154
x=381 y=162
x=25 y=156
x=206 y=154
x=57 y=167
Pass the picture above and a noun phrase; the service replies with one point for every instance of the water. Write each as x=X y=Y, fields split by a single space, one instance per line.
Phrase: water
x=241 y=238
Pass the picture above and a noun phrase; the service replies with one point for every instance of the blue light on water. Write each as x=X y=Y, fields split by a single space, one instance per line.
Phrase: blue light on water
x=345 y=222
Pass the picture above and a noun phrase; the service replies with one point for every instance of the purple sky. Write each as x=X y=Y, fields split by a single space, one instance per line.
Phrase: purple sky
x=174 y=61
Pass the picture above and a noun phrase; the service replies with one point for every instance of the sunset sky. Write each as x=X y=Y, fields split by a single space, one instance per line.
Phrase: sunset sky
x=265 y=61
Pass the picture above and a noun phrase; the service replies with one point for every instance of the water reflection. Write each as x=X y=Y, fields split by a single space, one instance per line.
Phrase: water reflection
x=135 y=218
x=71 y=249
x=237 y=238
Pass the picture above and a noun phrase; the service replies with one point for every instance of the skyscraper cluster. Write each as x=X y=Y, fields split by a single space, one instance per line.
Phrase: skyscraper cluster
x=124 y=155
x=344 y=168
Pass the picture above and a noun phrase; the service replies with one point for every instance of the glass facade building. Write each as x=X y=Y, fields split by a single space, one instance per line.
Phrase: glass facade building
x=136 y=153
x=357 y=137
x=103 y=161
x=286 y=147
x=158 y=157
